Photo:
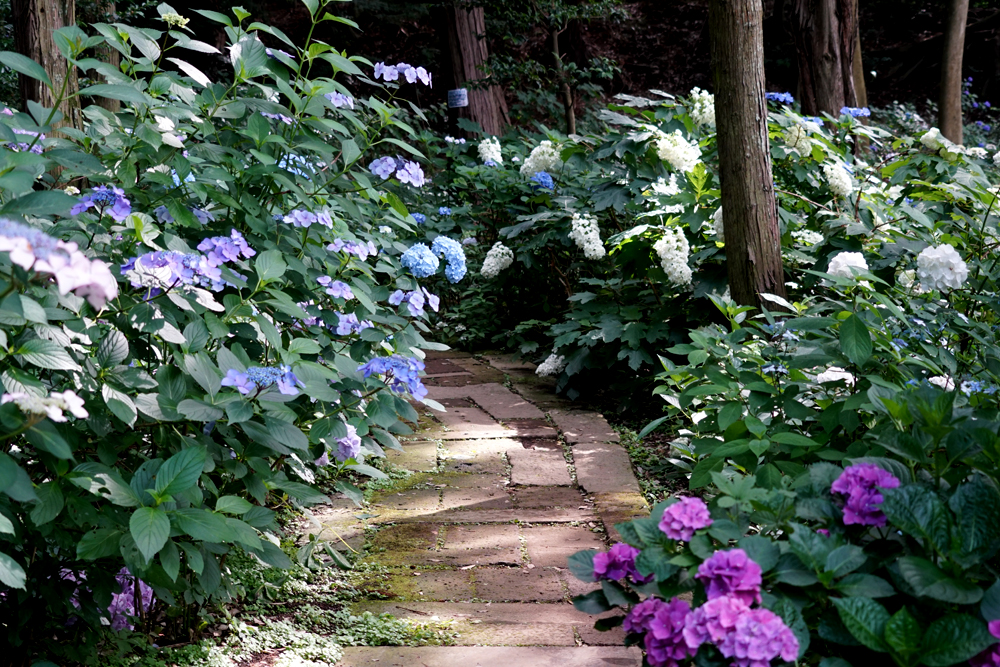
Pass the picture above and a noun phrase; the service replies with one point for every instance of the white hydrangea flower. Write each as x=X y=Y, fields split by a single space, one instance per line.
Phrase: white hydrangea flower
x=497 y=259
x=834 y=373
x=976 y=152
x=941 y=268
x=51 y=406
x=553 y=365
x=670 y=188
x=702 y=107
x=489 y=149
x=677 y=151
x=843 y=263
x=996 y=159
x=933 y=140
x=807 y=237
x=673 y=251
x=797 y=138
x=587 y=235
x=543 y=157
x=942 y=382
x=838 y=178
x=720 y=231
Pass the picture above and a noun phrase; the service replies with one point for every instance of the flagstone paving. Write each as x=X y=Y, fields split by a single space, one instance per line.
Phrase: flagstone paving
x=507 y=485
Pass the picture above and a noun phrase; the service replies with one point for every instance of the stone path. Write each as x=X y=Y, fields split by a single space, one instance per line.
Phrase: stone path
x=507 y=485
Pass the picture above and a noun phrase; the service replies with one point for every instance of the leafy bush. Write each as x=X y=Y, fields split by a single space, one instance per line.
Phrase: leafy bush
x=248 y=353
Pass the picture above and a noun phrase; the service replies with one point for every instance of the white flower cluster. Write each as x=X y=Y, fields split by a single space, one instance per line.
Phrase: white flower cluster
x=497 y=259
x=702 y=107
x=833 y=374
x=543 y=157
x=807 y=237
x=842 y=264
x=797 y=138
x=941 y=268
x=838 y=179
x=51 y=406
x=670 y=188
x=452 y=140
x=935 y=141
x=677 y=151
x=996 y=159
x=673 y=251
x=942 y=382
x=976 y=152
x=587 y=235
x=720 y=231
x=489 y=149
x=553 y=365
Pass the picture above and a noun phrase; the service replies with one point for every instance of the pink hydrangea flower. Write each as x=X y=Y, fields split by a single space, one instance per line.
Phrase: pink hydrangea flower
x=618 y=563
x=681 y=519
x=664 y=641
x=991 y=656
x=861 y=484
x=713 y=621
x=731 y=573
x=759 y=637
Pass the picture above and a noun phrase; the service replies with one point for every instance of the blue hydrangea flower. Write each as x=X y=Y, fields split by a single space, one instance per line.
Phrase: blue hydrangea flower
x=383 y=167
x=444 y=210
x=348 y=447
x=490 y=163
x=183 y=269
x=419 y=259
x=21 y=147
x=106 y=200
x=784 y=98
x=400 y=374
x=855 y=112
x=303 y=218
x=221 y=249
x=177 y=179
x=340 y=100
x=357 y=248
x=261 y=377
x=420 y=218
x=349 y=323
x=543 y=180
x=411 y=173
x=336 y=288
x=453 y=252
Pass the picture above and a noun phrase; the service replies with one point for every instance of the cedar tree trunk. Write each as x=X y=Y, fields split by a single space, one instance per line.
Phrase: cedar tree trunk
x=467 y=47
x=753 y=244
x=35 y=21
x=950 y=102
x=860 y=90
x=825 y=36
x=565 y=92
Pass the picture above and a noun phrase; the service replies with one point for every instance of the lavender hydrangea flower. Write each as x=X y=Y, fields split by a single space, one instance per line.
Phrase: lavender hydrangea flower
x=221 y=249
x=731 y=573
x=664 y=641
x=641 y=616
x=260 y=377
x=419 y=259
x=861 y=484
x=361 y=250
x=399 y=373
x=453 y=252
x=386 y=72
x=272 y=53
x=239 y=381
x=303 y=218
x=617 y=563
x=349 y=446
x=323 y=460
x=340 y=100
x=349 y=324
x=122 y=609
x=752 y=637
x=166 y=268
x=20 y=147
x=336 y=288
x=277 y=116
x=411 y=173
x=397 y=297
x=106 y=200
x=383 y=167
x=683 y=518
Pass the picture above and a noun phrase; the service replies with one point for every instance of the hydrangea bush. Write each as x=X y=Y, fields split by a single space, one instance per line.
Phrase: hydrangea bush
x=202 y=318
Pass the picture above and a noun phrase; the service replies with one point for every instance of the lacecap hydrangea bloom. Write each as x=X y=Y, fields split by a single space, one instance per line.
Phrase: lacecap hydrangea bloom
x=261 y=377
x=359 y=249
x=663 y=624
x=676 y=151
x=489 y=150
x=673 y=251
x=401 y=374
x=861 y=484
x=683 y=518
x=408 y=72
x=553 y=365
x=51 y=406
x=454 y=255
x=340 y=100
x=122 y=608
x=497 y=259
x=702 y=107
x=941 y=268
x=348 y=447
x=543 y=157
x=807 y=237
x=847 y=264
x=782 y=98
x=855 y=112
x=348 y=323
x=731 y=573
x=303 y=218
x=106 y=200
x=419 y=259
x=406 y=171
x=617 y=563
x=165 y=269
x=336 y=288
x=751 y=637
x=587 y=235
x=838 y=179
x=415 y=301
x=797 y=138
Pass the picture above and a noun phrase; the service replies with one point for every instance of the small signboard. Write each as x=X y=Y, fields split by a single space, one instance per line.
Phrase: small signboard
x=458 y=98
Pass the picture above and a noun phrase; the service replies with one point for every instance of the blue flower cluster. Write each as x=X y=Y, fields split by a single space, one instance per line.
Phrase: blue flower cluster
x=970 y=387
x=349 y=324
x=410 y=73
x=261 y=377
x=405 y=170
x=21 y=147
x=543 y=179
x=784 y=98
x=177 y=179
x=336 y=288
x=444 y=210
x=303 y=218
x=221 y=249
x=419 y=259
x=399 y=373
x=106 y=200
x=453 y=252
x=340 y=100
x=182 y=269
x=295 y=164
x=163 y=215
x=415 y=300
x=419 y=217
x=983 y=126
x=856 y=112
x=360 y=250
x=277 y=116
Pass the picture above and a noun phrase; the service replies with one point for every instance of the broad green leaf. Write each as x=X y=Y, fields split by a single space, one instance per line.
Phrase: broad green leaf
x=761 y=550
x=181 y=471
x=270 y=265
x=120 y=404
x=954 y=639
x=592 y=603
x=918 y=511
x=865 y=586
x=865 y=619
x=150 y=529
x=855 y=340
x=203 y=525
x=903 y=632
x=24 y=65
x=99 y=543
x=45 y=436
x=232 y=505
x=170 y=559
x=976 y=505
x=112 y=350
x=928 y=580
x=50 y=503
x=11 y=572
x=581 y=565
x=14 y=481
x=46 y=354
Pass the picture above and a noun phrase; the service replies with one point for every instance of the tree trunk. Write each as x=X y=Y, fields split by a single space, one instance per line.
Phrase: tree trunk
x=753 y=244
x=860 y=90
x=950 y=101
x=468 y=50
x=825 y=36
x=35 y=20
x=565 y=92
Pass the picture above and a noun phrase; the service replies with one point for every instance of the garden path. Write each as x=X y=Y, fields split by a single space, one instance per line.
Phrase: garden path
x=507 y=485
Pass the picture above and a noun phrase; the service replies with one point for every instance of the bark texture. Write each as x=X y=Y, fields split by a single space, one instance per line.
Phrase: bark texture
x=468 y=50
x=753 y=244
x=34 y=22
x=565 y=92
x=950 y=101
x=825 y=37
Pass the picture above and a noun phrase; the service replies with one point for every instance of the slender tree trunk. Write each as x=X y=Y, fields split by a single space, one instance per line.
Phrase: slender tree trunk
x=468 y=50
x=950 y=102
x=825 y=35
x=34 y=22
x=565 y=92
x=860 y=89
x=753 y=244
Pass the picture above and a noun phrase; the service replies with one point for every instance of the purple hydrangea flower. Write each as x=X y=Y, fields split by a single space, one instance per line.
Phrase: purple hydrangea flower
x=323 y=460
x=221 y=249
x=731 y=573
x=684 y=517
x=271 y=53
x=713 y=621
x=361 y=250
x=383 y=167
x=617 y=563
x=664 y=641
x=122 y=609
x=349 y=323
x=303 y=218
x=400 y=373
x=349 y=446
x=277 y=116
x=340 y=100
x=991 y=656
x=107 y=200
x=397 y=297
x=386 y=72
x=641 y=616
x=861 y=484
x=751 y=637
x=238 y=381
x=411 y=173
x=337 y=289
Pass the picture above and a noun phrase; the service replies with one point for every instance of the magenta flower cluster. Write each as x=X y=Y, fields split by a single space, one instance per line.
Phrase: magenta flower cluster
x=731 y=574
x=751 y=637
x=861 y=484
x=991 y=656
x=663 y=623
x=617 y=563
x=684 y=517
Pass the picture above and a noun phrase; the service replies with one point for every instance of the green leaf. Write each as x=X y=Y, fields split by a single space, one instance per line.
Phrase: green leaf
x=581 y=565
x=6 y=526
x=903 y=632
x=40 y=203
x=990 y=607
x=150 y=528
x=46 y=437
x=14 y=481
x=273 y=555
x=46 y=354
x=855 y=340
x=204 y=372
x=918 y=511
x=865 y=619
x=976 y=505
x=592 y=603
x=113 y=349
x=11 y=573
x=729 y=415
x=232 y=505
x=170 y=559
x=26 y=66
x=929 y=581
x=114 y=91
x=50 y=503
x=865 y=586
x=844 y=560
x=120 y=404
x=203 y=525
x=304 y=494
x=288 y=434
x=270 y=265
x=954 y=639
x=199 y=411
x=99 y=543
x=761 y=550
x=793 y=439
x=181 y=471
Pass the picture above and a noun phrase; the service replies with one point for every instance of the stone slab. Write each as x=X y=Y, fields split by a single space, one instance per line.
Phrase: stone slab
x=550 y=546
x=604 y=468
x=583 y=427
x=489 y=463
x=411 y=499
x=550 y=497
x=482 y=373
x=502 y=403
x=405 y=544
x=532 y=428
x=529 y=515
x=491 y=656
x=518 y=585
x=497 y=544
x=417 y=455
x=538 y=467
x=542 y=394
x=448 y=393
x=479 y=449
x=445 y=354
x=473 y=499
x=508 y=362
x=421 y=585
